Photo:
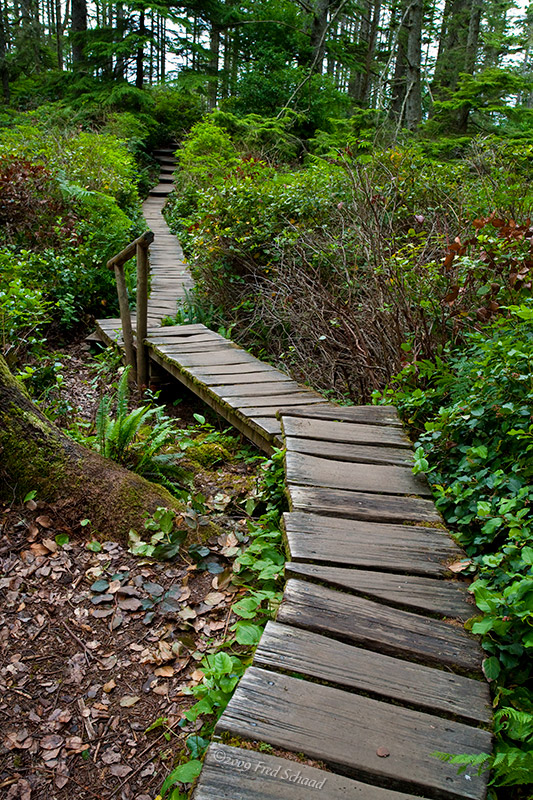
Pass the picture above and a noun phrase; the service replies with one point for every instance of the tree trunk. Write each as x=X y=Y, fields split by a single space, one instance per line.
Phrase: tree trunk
x=214 y=51
x=36 y=455
x=78 y=30
x=318 y=30
x=4 y=71
x=139 y=74
x=406 y=106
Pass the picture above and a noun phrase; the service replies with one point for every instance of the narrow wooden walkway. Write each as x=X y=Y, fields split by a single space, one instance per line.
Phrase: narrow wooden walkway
x=368 y=669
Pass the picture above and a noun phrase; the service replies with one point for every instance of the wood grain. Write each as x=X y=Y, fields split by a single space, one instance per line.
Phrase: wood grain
x=361 y=505
x=309 y=470
x=372 y=415
x=377 y=545
x=340 y=451
x=290 y=649
x=347 y=731
x=349 y=432
x=445 y=598
x=380 y=628
x=231 y=773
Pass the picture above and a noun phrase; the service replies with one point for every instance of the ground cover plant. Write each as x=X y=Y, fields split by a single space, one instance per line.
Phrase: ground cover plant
x=471 y=412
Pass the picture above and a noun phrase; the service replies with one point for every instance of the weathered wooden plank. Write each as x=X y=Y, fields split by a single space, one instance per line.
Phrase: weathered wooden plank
x=269 y=389
x=349 y=731
x=307 y=470
x=269 y=424
x=448 y=598
x=283 y=647
x=239 y=378
x=349 y=432
x=350 y=542
x=255 y=432
x=232 y=773
x=185 y=330
x=228 y=355
x=163 y=338
x=190 y=349
x=271 y=411
x=373 y=415
x=375 y=626
x=362 y=505
x=340 y=451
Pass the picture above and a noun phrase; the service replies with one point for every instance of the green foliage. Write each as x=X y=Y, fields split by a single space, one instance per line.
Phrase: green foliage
x=472 y=411
x=134 y=439
x=308 y=264
x=23 y=310
x=165 y=538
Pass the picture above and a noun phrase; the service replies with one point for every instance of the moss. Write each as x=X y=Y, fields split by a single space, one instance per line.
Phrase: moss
x=208 y=454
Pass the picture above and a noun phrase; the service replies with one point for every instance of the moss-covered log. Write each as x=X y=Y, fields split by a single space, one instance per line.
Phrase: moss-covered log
x=36 y=455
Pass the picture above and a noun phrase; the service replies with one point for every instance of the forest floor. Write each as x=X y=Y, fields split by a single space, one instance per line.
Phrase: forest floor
x=99 y=648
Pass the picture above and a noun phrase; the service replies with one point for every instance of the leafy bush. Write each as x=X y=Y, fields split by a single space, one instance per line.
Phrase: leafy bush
x=331 y=269
x=472 y=412
x=23 y=310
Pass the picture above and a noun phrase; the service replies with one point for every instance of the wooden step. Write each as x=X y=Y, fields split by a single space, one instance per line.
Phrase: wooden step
x=383 y=744
x=289 y=649
x=371 y=624
x=443 y=598
x=232 y=773
x=375 y=545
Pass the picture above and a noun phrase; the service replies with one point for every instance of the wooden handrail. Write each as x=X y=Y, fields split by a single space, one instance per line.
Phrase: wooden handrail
x=139 y=247
x=144 y=240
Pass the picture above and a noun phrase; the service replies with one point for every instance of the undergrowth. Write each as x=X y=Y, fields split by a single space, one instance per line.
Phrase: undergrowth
x=472 y=411
x=258 y=570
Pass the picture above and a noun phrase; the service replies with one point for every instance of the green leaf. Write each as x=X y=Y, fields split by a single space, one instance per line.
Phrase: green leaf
x=185 y=773
x=491 y=668
x=222 y=664
x=248 y=634
x=94 y=546
x=62 y=539
x=197 y=745
x=30 y=496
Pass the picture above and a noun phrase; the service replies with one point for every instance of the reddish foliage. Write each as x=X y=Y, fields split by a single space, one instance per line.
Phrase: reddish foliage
x=32 y=211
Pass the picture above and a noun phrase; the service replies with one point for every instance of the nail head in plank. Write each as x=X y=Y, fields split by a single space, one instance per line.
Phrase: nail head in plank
x=340 y=451
x=283 y=647
x=362 y=505
x=447 y=598
x=229 y=773
x=375 y=626
x=349 y=432
x=347 y=731
x=307 y=470
x=356 y=543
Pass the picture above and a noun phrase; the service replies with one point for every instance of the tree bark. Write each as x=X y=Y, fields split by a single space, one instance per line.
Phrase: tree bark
x=139 y=74
x=78 y=29
x=4 y=71
x=406 y=106
x=36 y=455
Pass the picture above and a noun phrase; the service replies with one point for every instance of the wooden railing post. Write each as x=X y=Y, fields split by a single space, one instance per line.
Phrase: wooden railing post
x=125 y=318
x=142 y=313
x=139 y=247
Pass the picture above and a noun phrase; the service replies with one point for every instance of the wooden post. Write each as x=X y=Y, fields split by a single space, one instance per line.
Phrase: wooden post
x=139 y=247
x=142 y=313
x=125 y=318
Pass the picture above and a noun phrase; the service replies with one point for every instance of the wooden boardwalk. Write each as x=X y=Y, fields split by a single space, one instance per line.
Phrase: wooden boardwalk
x=368 y=669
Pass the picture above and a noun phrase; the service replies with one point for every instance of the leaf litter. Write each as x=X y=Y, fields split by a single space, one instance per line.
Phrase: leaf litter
x=84 y=673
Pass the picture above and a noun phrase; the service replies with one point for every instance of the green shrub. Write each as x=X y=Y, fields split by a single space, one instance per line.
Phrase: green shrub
x=472 y=412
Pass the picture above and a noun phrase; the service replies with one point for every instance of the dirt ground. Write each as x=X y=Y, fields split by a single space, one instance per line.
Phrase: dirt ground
x=96 y=647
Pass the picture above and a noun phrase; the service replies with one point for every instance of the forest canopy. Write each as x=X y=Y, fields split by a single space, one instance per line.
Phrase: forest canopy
x=455 y=63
